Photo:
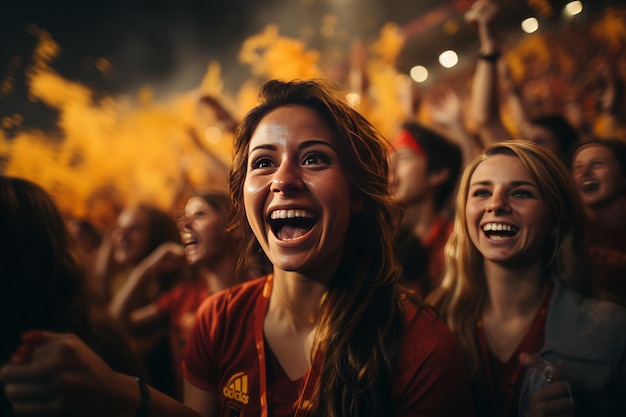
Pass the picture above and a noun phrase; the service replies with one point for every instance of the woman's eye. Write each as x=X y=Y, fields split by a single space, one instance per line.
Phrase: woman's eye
x=311 y=159
x=261 y=163
x=522 y=194
x=481 y=193
x=314 y=159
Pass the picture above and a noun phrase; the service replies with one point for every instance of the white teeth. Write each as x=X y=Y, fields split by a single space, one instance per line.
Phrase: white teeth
x=291 y=214
x=497 y=227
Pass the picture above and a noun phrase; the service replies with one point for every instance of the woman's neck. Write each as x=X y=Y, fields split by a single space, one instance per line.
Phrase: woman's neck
x=513 y=292
x=220 y=274
x=612 y=216
x=296 y=300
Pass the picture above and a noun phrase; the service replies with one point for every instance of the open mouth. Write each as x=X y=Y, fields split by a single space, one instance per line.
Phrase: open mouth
x=291 y=224
x=189 y=239
x=590 y=186
x=499 y=231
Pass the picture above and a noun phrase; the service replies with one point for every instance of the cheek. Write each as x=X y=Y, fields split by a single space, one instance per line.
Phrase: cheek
x=254 y=184
x=472 y=215
x=252 y=206
x=253 y=197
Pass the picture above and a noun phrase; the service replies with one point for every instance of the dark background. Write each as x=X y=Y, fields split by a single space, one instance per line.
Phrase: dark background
x=168 y=44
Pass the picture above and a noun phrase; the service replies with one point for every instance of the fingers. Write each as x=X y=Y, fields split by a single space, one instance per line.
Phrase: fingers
x=552 y=400
x=39 y=356
x=35 y=384
x=30 y=340
x=18 y=392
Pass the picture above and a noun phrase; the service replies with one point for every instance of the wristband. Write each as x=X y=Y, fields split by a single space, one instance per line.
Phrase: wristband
x=492 y=57
x=144 y=392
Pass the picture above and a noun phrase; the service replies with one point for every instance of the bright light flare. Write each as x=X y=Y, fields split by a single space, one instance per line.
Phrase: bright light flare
x=213 y=135
x=573 y=8
x=419 y=73
x=353 y=99
x=448 y=58
x=530 y=25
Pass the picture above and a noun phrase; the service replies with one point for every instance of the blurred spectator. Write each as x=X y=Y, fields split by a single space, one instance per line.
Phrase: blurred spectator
x=139 y=232
x=425 y=169
x=599 y=169
x=211 y=251
x=88 y=239
x=43 y=285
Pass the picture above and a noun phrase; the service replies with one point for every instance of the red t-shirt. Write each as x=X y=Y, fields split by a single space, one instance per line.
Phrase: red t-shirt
x=222 y=358
x=496 y=390
x=180 y=304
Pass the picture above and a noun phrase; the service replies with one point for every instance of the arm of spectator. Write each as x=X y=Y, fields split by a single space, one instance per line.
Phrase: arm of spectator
x=485 y=95
x=126 y=305
x=57 y=374
x=446 y=110
x=224 y=116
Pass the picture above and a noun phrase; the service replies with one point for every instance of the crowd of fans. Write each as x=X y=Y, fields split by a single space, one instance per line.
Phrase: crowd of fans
x=344 y=273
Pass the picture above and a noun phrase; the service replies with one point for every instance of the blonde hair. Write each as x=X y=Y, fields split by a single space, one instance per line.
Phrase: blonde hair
x=463 y=291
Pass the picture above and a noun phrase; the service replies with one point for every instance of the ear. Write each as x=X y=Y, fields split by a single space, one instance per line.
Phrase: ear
x=437 y=178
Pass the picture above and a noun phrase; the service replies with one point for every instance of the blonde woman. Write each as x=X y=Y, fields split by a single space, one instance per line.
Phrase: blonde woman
x=518 y=285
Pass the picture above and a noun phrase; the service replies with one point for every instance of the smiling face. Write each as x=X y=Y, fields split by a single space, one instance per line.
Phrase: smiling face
x=296 y=195
x=597 y=175
x=203 y=232
x=508 y=218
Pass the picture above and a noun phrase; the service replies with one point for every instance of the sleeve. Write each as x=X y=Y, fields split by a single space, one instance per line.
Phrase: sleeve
x=164 y=302
x=431 y=376
x=200 y=363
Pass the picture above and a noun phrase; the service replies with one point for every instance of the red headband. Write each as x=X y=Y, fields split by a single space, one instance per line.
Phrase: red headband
x=407 y=140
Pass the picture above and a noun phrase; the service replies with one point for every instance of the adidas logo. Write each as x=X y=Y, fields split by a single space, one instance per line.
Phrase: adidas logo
x=237 y=388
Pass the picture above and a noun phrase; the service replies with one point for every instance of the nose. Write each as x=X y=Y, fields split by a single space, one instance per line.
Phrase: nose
x=185 y=224
x=497 y=203
x=287 y=178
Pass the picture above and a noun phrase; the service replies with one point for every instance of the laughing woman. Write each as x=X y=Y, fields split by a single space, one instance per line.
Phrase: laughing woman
x=327 y=333
x=517 y=285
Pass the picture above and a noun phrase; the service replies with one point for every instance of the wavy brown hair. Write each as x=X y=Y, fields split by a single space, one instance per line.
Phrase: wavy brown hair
x=463 y=291
x=361 y=327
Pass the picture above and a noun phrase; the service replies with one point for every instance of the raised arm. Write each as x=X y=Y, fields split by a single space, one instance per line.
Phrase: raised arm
x=485 y=103
x=125 y=307
x=446 y=110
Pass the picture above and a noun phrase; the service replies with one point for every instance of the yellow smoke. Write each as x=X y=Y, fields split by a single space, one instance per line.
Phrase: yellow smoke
x=146 y=150
x=115 y=151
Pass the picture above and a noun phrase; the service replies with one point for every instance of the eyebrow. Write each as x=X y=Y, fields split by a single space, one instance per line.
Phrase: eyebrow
x=513 y=184
x=303 y=145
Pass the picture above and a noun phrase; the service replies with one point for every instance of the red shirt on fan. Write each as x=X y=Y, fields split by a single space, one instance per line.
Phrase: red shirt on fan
x=223 y=357
x=181 y=304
